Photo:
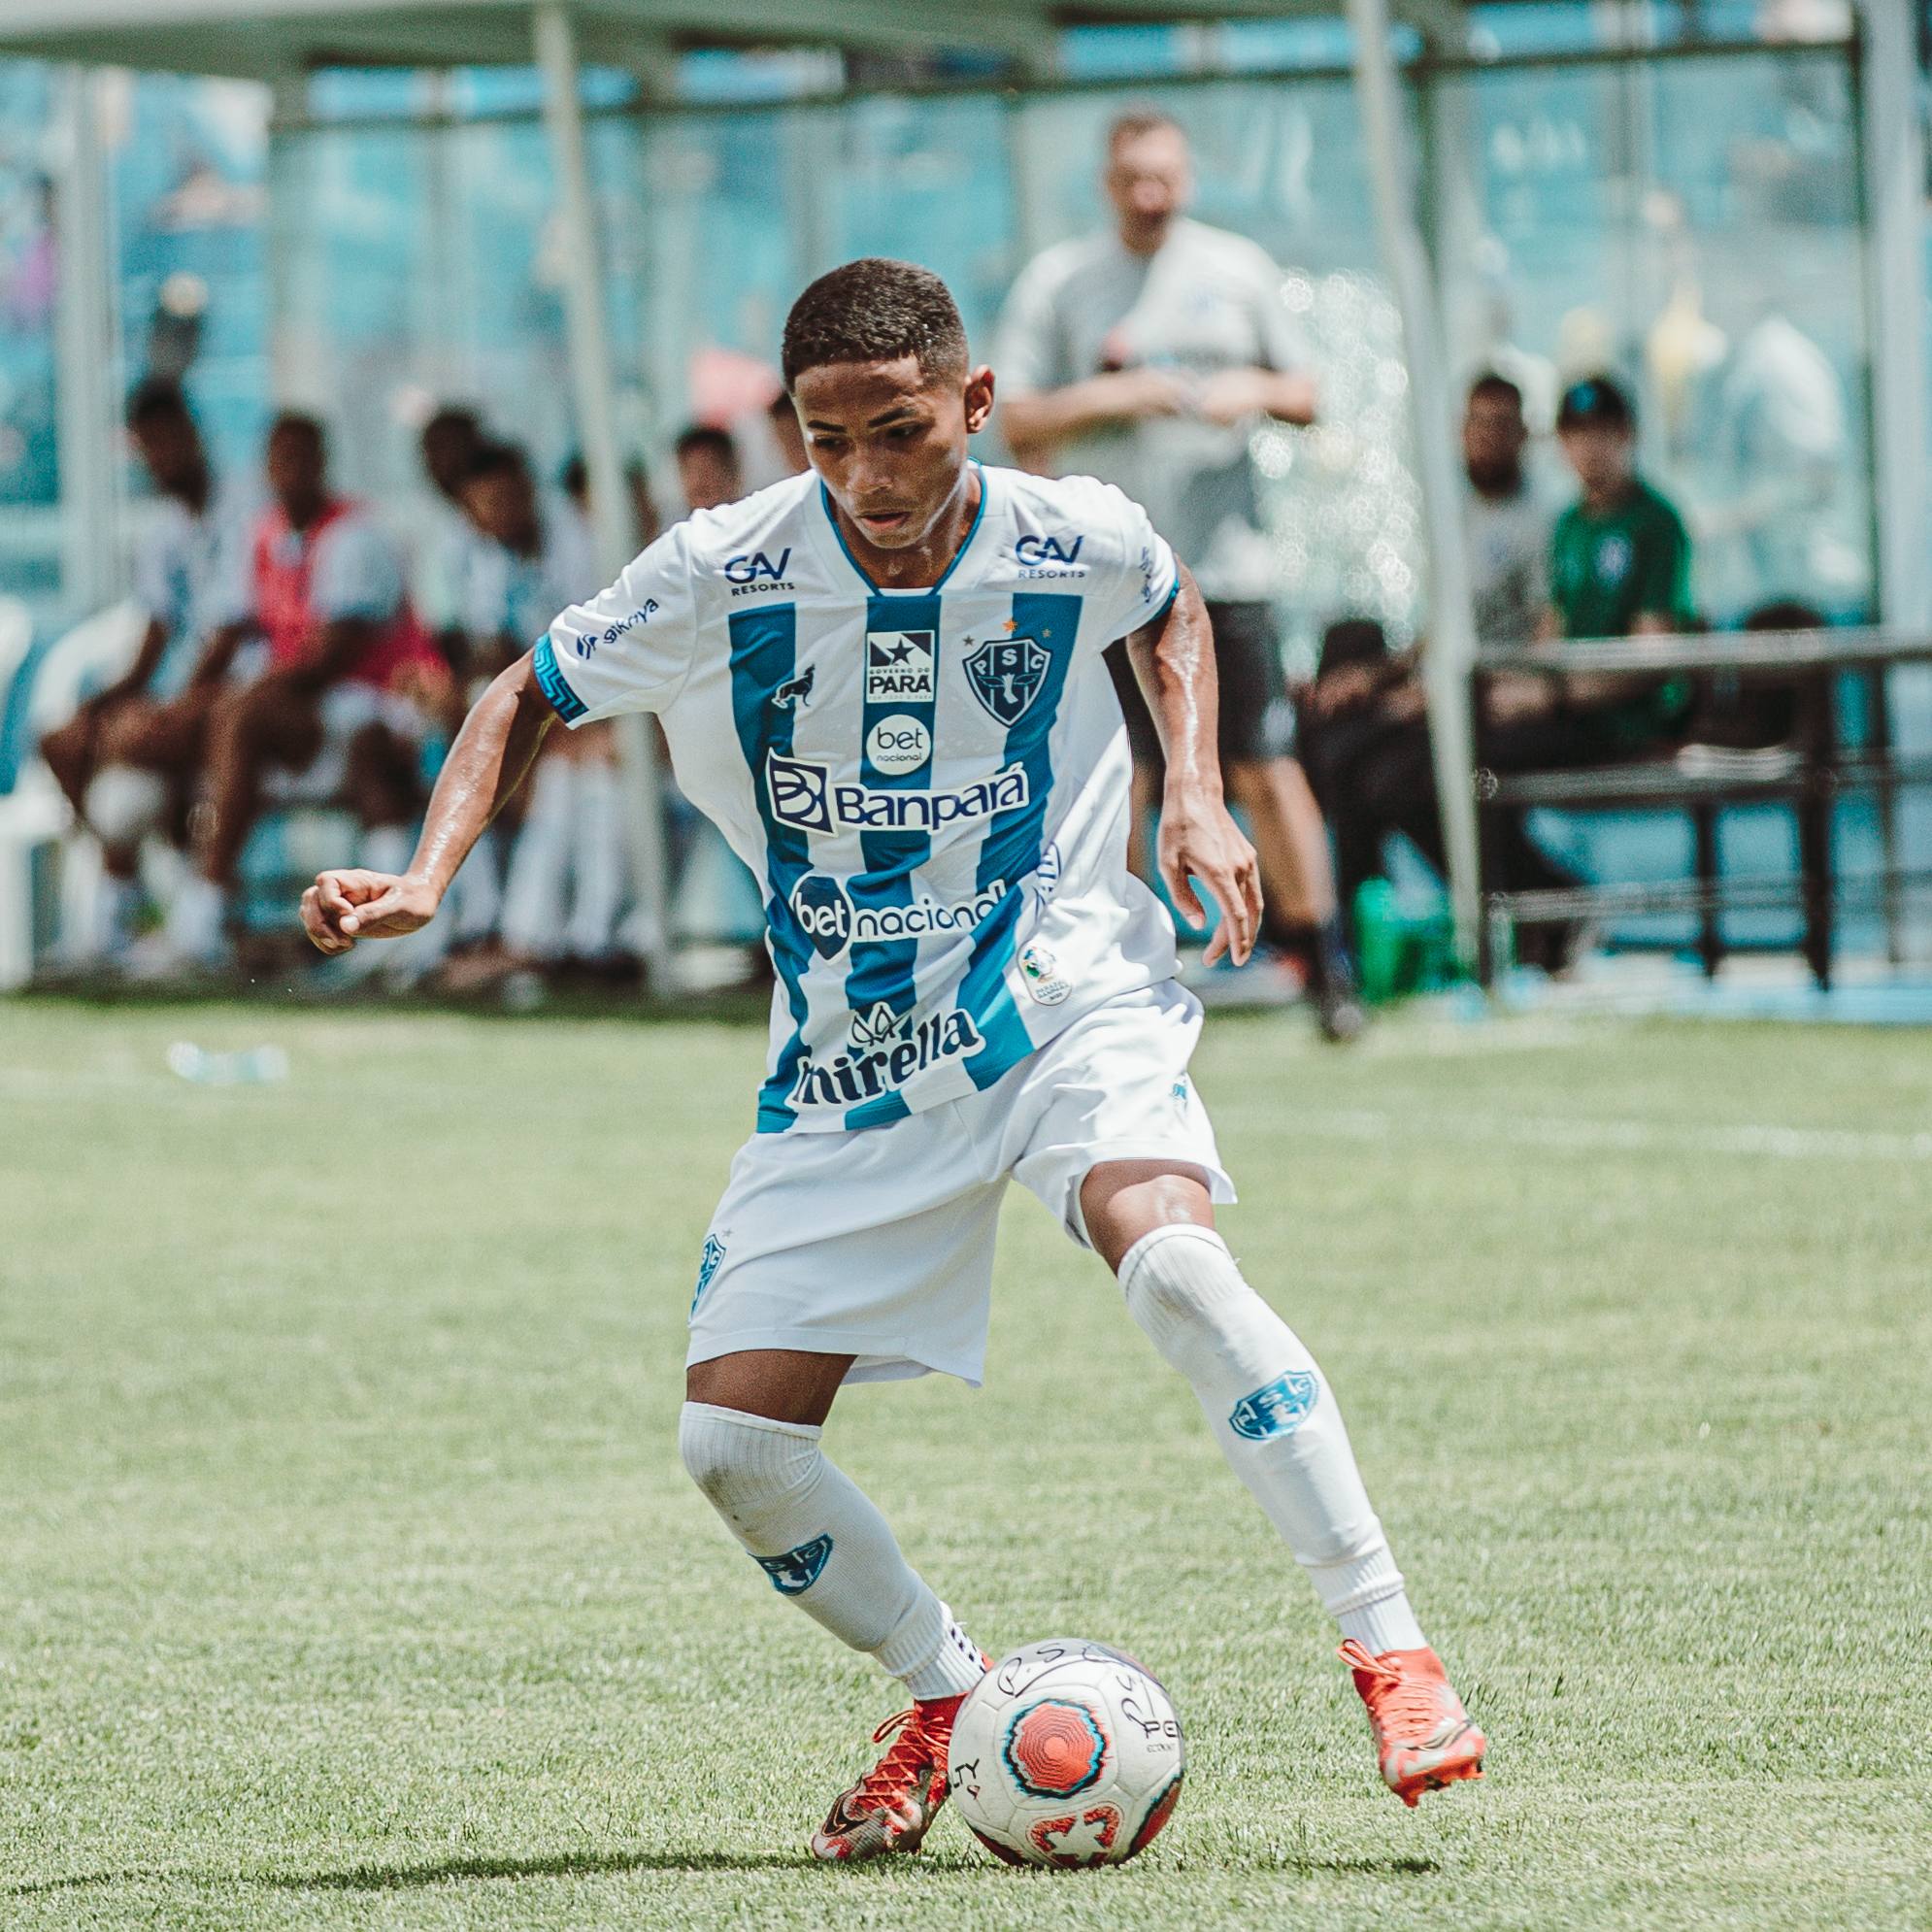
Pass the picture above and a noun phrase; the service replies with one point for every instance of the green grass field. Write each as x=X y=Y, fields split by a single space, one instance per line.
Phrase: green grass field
x=351 y=1580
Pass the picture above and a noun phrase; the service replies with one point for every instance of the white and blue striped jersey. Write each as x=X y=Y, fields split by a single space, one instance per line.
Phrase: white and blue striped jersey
x=931 y=786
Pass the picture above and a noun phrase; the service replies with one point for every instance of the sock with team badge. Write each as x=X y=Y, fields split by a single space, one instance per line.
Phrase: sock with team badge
x=1276 y=1421
x=824 y=1545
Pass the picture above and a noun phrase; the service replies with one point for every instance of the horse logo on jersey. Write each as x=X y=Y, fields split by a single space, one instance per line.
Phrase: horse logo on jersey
x=898 y=667
x=1006 y=674
x=797 y=1570
x=794 y=690
x=1277 y=1410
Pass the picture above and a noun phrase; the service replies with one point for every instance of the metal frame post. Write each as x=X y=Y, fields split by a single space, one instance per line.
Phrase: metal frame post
x=596 y=402
x=86 y=359
x=1451 y=647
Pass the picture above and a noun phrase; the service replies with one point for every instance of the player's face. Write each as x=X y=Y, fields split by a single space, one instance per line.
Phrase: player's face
x=1150 y=180
x=708 y=477
x=890 y=442
x=1601 y=453
x=1493 y=436
x=296 y=465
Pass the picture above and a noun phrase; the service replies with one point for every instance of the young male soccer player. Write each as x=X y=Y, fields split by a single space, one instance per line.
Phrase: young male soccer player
x=921 y=755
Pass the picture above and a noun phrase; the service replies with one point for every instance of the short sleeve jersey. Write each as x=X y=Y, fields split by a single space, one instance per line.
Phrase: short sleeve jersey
x=1206 y=301
x=1604 y=573
x=1607 y=571
x=1509 y=563
x=930 y=786
x=506 y=594
x=192 y=577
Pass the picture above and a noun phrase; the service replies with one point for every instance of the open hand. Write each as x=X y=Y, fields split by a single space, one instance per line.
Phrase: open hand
x=344 y=906
x=1199 y=841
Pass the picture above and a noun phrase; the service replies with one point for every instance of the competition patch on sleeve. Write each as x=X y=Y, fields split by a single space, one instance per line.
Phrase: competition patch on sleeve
x=565 y=702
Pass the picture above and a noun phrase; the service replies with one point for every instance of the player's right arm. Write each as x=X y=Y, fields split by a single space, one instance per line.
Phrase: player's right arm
x=485 y=764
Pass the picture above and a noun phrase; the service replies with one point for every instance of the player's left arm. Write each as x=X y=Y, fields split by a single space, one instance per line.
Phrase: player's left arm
x=1174 y=658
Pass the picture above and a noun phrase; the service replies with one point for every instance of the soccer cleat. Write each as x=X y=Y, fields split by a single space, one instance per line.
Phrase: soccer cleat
x=892 y=1806
x=1423 y=1738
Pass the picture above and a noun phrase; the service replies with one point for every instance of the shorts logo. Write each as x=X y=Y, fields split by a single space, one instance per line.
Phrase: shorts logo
x=797 y=1570
x=1277 y=1410
x=1006 y=674
x=873 y=1066
x=898 y=667
x=803 y=795
x=1042 y=972
x=898 y=744
x=794 y=690
x=798 y=793
x=823 y=912
x=708 y=1266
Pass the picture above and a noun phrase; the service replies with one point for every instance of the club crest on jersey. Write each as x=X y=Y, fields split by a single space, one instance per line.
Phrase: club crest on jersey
x=874 y=1066
x=1006 y=674
x=898 y=667
x=823 y=912
x=797 y=1570
x=1277 y=1409
x=794 y=690
x=707 y=1265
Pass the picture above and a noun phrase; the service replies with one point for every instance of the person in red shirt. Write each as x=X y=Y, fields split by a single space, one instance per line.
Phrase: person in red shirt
x=331 y=716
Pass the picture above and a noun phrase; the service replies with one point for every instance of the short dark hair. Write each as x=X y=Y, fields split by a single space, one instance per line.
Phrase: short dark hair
x=1595 y=399
x=705 y=436
x=1130 y=123
x=1491 y=383
x=155 y=397
x=875 y=310
x=495 y=459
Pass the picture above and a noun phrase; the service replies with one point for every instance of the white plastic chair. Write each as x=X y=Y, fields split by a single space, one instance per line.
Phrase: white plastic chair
x=91 y=655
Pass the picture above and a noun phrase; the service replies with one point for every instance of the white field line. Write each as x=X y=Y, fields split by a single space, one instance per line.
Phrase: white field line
x=1782 y=1143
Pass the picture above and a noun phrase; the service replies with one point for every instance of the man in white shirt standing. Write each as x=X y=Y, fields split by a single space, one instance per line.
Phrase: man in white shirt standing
x=1145 y=355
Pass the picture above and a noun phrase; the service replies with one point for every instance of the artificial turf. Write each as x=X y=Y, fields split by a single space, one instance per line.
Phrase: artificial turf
x=351 y=1580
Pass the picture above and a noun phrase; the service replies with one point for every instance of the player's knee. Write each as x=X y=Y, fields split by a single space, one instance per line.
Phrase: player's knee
x=1180 y=1277
x=745 y=1466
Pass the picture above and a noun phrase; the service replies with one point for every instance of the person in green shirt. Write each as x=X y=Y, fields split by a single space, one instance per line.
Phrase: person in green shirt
x=1619 y=566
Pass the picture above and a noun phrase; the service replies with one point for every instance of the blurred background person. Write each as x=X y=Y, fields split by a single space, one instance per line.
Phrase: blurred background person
x=1144 y=354
x=324 y=721
x=789 y=434
x=709 y=471
x=447 y=446
x=566 y=876
x=128 y=756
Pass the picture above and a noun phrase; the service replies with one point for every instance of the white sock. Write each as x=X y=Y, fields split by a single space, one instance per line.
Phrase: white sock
x=596 y=862
x=1276 y=1420
x=824 y=1545
x=195 y=919
x=533 y=893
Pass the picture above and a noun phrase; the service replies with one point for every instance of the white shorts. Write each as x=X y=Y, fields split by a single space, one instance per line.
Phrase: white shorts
x=880 y=1244
x=345 y=708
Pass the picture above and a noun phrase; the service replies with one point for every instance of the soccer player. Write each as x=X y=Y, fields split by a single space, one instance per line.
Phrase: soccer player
x=1146 y=354
x=917 y=750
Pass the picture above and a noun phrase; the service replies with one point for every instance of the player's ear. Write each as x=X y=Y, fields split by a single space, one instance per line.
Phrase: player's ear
x=978 y=399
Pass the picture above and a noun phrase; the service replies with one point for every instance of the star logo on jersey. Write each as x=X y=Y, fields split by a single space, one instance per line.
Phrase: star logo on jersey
x=798 y=793
x=1006 y=674
x=898 y=667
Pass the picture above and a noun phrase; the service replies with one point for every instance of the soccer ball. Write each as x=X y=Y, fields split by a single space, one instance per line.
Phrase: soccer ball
x=1066 y=1754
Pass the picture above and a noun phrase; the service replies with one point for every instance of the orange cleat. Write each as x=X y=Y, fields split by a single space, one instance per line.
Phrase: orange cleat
x=1423 y=1738
x=892 y=1806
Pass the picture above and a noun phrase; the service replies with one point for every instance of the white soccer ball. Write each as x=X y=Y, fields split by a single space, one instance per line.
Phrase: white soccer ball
x=1066 y=1754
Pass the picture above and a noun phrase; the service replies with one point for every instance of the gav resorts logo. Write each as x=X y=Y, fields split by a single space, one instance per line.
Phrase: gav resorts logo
x=898 y=667
x=828 y=918
x=754 y=571
x=797 y=1570
x=803 y=795
x=1277 y=1410
x=708 y=1266
x=886 y=1050
x=1049 y=556
x=1006 y=674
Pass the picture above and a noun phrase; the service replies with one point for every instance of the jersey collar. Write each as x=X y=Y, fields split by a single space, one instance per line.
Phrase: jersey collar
x=830 y=522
